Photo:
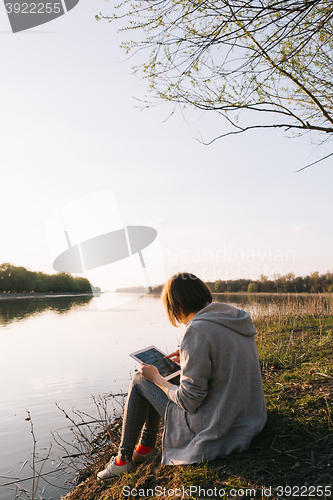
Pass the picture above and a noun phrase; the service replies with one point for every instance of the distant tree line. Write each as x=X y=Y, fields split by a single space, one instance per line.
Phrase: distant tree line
x=135 y=289
x=20 y=280
x=288 y=283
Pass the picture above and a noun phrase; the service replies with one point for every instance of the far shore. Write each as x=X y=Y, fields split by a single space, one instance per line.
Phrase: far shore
x=302 y=294
x=55 y=295
x=45 y=295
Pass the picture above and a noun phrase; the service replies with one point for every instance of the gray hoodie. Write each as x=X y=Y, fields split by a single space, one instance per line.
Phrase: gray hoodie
x=220 y=405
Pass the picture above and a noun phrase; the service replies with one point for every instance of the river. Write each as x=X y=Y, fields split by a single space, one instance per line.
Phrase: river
x=63 y=351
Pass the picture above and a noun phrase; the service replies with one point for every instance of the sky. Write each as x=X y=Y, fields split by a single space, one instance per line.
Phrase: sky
x=71 y=127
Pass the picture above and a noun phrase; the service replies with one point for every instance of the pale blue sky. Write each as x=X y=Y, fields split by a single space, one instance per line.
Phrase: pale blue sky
x=69 y=127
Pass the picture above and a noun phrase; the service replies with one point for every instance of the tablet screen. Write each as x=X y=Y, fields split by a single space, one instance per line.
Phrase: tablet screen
x=152 y=356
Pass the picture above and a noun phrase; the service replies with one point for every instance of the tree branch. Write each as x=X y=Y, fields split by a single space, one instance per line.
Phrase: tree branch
x=314 y=163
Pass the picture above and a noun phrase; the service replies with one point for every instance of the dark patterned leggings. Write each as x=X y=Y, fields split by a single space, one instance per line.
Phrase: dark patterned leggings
x=146 y=404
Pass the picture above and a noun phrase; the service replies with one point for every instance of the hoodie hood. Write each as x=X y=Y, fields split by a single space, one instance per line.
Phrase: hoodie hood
x=227 y=316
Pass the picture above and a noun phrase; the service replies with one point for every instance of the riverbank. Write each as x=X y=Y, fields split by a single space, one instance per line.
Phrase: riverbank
x=295 y=449
x=47 y=295
x=277 y=294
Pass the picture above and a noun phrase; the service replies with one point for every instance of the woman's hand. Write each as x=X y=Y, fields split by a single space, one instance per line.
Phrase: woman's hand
x=174 y=356
x=150 y=372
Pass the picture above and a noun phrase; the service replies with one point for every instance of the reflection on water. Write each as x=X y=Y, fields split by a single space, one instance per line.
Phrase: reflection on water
x=64 y=358
x=257 y=304
x=17 y=310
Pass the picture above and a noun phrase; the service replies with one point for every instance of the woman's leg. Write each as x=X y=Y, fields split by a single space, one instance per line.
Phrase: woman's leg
x=146 y=404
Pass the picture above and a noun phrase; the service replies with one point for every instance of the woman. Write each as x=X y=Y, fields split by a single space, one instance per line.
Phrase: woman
x=219 y=405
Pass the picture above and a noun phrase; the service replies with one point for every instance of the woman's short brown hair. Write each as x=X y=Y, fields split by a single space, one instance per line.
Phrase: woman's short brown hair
x=184 y=293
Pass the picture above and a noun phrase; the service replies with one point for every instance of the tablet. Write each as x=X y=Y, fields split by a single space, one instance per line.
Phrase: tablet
x=153 y=356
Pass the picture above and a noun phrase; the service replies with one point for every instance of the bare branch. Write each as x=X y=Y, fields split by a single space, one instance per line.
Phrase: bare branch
x=314 y=163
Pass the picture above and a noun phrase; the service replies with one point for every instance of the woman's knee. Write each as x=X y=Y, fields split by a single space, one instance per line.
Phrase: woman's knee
x=140 y=382
x=138 y=379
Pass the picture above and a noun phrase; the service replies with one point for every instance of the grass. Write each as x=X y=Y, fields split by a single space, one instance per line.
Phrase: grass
x=295 y=449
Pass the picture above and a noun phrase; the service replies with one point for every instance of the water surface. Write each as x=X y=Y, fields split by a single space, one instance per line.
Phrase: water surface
x=62 y=351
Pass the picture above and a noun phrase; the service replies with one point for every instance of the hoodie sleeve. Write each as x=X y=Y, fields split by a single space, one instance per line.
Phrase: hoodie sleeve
x=195 y=364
